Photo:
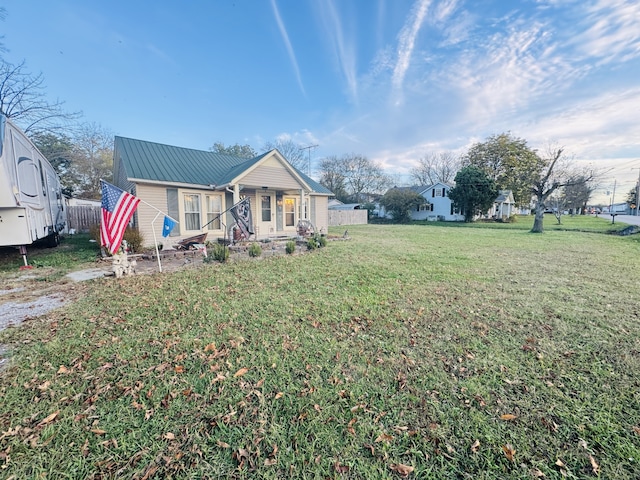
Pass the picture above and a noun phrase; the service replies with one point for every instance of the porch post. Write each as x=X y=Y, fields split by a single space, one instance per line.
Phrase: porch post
x=236 y=193
x=302 y=213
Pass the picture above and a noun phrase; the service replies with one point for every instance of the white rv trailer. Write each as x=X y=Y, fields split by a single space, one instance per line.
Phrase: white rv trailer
x=31 y=203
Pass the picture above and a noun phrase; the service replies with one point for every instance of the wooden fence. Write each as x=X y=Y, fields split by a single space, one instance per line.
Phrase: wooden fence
x=82 y=217
x=347 y=217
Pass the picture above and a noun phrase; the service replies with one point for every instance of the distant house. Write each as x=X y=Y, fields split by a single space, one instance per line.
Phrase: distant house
x=503 y=206
x=437 y=205
x=195 y=187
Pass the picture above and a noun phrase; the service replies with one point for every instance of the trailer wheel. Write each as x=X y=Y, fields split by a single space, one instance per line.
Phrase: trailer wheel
x=53 y=240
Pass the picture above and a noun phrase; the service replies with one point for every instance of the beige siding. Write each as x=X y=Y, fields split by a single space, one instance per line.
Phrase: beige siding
x=271 y=174
x=157 y=196
x=321 y=220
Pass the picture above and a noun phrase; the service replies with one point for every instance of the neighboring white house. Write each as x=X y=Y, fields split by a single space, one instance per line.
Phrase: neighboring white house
x=437 y=206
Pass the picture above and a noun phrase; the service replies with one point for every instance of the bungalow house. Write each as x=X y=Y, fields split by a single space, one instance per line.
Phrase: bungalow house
x=195 y=187
x=503 y=206
x=437 y=205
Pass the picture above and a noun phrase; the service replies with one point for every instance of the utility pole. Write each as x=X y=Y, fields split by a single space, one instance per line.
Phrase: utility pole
x=637 y=202
x=308 y=148
x=613 y=199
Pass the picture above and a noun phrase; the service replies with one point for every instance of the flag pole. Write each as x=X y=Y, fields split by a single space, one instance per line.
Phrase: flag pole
x=155 y=241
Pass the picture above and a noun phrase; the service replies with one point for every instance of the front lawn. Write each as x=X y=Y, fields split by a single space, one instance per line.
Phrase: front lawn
x=420 y=351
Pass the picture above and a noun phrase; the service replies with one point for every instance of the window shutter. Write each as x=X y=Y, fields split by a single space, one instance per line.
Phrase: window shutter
x=172 y=207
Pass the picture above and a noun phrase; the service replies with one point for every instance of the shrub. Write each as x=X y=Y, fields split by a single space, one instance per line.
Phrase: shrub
x=94 y=233
x=322 y=240
x=290 y=247
x=219 y=253
x=255 y=250
x=312 y=244
x=134 y=239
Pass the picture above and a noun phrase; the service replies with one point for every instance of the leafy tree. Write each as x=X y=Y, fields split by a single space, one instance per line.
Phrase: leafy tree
x=474 y=193
x=242 y=151
x=436 y=167
x=58 y=149
x=556 y=173
x=509 y=162
x=356 y=177
x=399 y=203
x=291 y=150
x=631 y=198
x=22 y=99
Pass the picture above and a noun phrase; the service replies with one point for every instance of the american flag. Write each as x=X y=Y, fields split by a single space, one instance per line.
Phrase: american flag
x=117 y=208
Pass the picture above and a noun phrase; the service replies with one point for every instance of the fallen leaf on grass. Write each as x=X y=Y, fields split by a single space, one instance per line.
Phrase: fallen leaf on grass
x=383 y=437
x=340 y=468
x=594 y=465
x=210 y=348
x=49 y=419
x=270 y=461
x=508 y=417
x=241 y=372
x=63 y=369
x=475 y=446
x=350 y=428
x=222 y=444
x=509 y=451
x=559 y=463
x=403 y=470
x=98 y=431
x=279 y=395
x=178 y=369
x=537 y=473
x=169 y=436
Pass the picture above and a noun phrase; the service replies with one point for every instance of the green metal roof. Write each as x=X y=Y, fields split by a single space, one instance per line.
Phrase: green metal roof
x=157 y=162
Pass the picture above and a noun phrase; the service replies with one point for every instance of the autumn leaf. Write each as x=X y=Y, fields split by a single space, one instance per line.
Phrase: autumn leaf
x=637 y=430
x=169 y=436
x=340 y=468
x=594 y=465
x=241 y=372
x=403 y=470
x=98 y=431
x=63 y=369
x=383 y=437
x=350 y=428
x=508 y=417
x=222 y=444
x=559 y=463
x=178 y=369
x=270 y=461
x=509 y=451
x=49 y=419
x=475 y=446
x=279 y=395
x=210 y=348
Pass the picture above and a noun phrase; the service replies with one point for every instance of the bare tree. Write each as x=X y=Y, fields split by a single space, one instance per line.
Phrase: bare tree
x=436 y=167
x=356 y=176
x=556 y=173
x=292 y=151
x=22 y=99
x=92 y=159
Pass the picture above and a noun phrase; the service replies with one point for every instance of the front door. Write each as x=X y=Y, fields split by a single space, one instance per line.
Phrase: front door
x=289 y=213
x=266 y=214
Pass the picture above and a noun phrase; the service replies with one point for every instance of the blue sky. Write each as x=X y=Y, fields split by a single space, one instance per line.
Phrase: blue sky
x=389 y=79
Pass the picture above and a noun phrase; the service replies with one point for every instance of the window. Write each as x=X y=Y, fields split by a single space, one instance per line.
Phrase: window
x=266 y=208
x=426 y=207
x=289 y=212
x=192 y=211
x=438 y=192
x=214 y=208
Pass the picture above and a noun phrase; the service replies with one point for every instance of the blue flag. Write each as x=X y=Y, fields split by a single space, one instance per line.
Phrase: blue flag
x=168 y=226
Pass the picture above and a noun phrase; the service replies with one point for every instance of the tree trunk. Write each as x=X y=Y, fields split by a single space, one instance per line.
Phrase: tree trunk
x=538 y=223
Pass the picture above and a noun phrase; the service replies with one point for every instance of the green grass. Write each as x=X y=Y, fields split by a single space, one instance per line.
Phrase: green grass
x=74 y=250
x=404 y=346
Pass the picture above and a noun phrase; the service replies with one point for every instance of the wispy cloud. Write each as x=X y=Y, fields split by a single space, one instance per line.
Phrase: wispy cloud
x=344 y=50
x=287 y=43
x=406 y=44
x=613 y=33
